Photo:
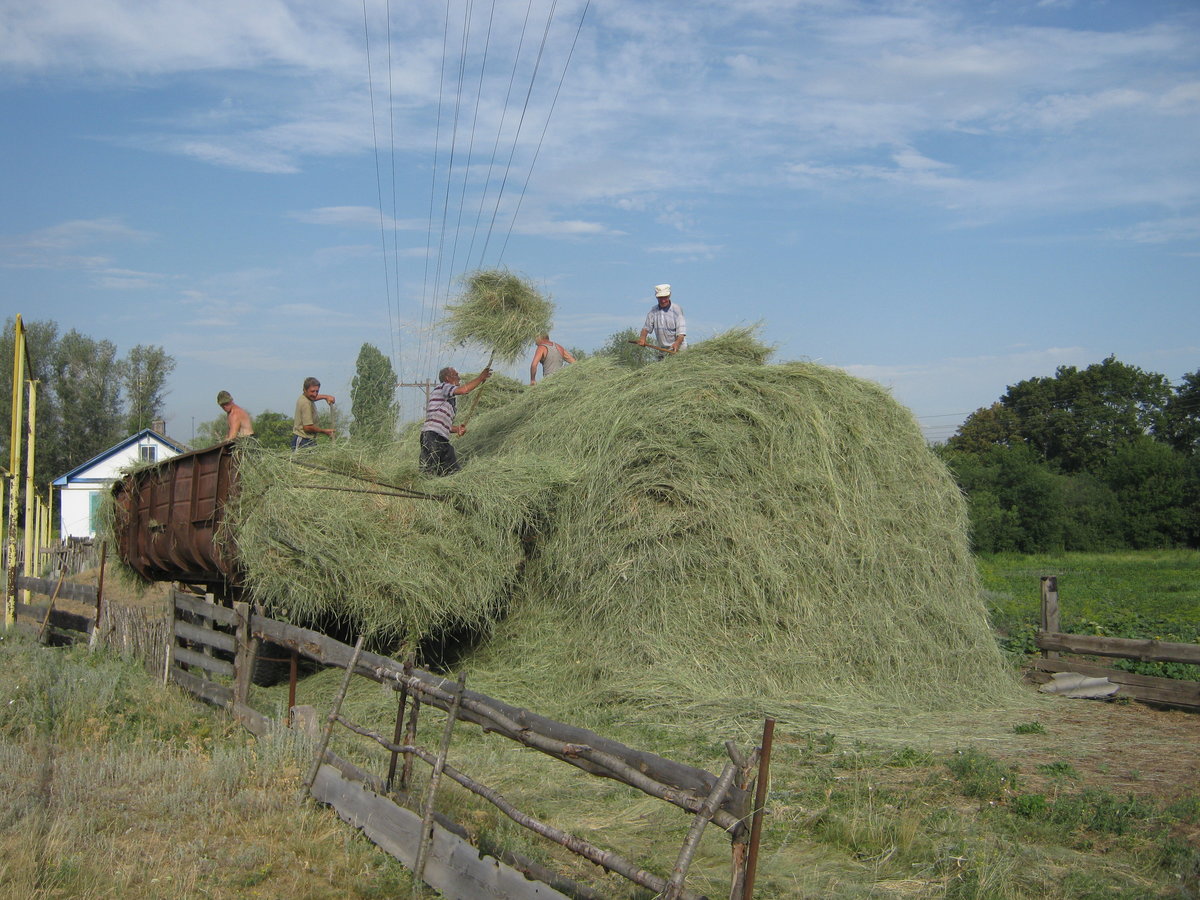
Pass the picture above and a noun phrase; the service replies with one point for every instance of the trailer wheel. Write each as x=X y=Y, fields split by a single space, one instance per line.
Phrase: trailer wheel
x=272 y=664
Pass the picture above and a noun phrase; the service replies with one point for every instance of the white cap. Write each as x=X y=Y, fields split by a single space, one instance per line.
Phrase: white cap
x=662 y=290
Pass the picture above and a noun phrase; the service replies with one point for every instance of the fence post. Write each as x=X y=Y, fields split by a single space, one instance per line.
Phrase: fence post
x=169 y=657
x=1050 y=621
x=243 y=656
x=760 y=801
x=398 y=733
x=333 y=714
x=435 y=778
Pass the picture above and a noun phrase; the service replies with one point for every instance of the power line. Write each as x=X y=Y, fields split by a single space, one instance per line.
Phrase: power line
x=545 y=127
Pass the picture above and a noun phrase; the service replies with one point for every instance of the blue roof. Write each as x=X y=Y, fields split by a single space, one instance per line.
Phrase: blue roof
x=132 y=440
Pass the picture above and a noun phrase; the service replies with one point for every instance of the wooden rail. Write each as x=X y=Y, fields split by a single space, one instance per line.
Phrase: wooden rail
x=1147 y=688
x=206 y=633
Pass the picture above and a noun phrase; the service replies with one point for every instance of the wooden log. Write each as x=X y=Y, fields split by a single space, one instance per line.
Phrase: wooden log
x=435 y=777
x=60 y=620
x=243 y=658
x=521 y=724
x=84 y=593
x=254 y=721
x=217 y=694
x=760 y=803
x=206 y=637
x=454 y=867
x=674 y=889
x=201 y=661
x=604 y=858
x=1146 y=650
x=138 y=632
x=333 y=712
x=201 y=607
x=1049 y=609
x=1147 y=688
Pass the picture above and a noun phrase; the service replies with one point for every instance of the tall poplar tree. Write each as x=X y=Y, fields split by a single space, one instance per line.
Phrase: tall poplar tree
x=144 y=373
x=373 y=397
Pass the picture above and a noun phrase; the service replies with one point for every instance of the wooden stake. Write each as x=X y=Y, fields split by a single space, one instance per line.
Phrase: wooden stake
x=1050 y=622
x=435 y=778
x=50 y=609
x=333 y=713
x=760 y=800
x=675 y=883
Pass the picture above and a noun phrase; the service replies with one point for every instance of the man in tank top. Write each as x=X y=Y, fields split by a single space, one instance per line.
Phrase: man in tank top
x=550 y=356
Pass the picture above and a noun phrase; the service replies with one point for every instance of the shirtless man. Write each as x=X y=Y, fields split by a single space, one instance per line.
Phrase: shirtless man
x=239 y=420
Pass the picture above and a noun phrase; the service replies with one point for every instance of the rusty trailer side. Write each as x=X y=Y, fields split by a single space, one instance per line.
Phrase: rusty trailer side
x=169 y=518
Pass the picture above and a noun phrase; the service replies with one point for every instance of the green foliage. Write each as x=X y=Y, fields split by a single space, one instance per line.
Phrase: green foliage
x=1059 y=769
x=273 y=430
x=1147 y=594
x=87 y=396
x=144 y=373
x=1094 y=459
x=1079 y=417
x=214 y=430
x=980 y=776
x=373 y=397
x=1029 y=728
x=1155 y=488
x=619 y=349
x=1181 y=416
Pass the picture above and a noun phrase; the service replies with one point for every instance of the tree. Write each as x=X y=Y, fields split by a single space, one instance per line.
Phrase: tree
x=373 y=397
x=87 y=382
x=1078 y=418
x=624 y=353
x=1181 y=417
x=273 y=430
x=1153 y=484
x=992 y=426
x=144 y=372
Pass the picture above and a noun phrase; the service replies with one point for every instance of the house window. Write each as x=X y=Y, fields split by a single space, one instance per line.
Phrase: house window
x=149 y=453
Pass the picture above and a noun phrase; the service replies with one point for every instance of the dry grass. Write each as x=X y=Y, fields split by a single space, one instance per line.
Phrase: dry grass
x=709 y=537
x=499 y=311
x=115 y=786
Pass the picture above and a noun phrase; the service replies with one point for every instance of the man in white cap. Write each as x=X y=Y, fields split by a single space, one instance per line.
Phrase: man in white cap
x=666 y=321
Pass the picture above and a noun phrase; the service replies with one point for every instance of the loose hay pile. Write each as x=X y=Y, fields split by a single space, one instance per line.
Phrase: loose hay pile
x=499 y=311
x=708 y=533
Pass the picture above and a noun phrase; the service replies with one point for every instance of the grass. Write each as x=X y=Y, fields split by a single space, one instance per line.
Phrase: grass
x=116 y=786
x=1134 y=594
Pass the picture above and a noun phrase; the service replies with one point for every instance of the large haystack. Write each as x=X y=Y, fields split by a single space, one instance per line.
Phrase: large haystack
x=708 y=532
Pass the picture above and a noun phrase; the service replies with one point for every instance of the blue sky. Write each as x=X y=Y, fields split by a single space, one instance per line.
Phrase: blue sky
x=943 y=197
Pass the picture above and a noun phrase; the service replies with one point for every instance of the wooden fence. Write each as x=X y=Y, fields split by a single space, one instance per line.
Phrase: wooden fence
x=212 y=654
x=1148 y=688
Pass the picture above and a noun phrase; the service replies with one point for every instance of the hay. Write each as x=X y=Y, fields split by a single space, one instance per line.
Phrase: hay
x=707 y=535
x=499 y=311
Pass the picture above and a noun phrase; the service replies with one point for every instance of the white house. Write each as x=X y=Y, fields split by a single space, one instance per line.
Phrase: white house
x=81 y=489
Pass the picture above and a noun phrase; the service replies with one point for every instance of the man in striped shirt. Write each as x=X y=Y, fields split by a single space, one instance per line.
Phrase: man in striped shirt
x=437 y=454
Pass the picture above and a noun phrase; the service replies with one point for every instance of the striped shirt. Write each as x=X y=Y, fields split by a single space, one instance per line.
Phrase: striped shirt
x=439 y=411
x=667 y=324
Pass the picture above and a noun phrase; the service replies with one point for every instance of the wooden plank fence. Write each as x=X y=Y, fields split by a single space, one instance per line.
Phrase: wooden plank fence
x=211 y=654
x=1148 y=688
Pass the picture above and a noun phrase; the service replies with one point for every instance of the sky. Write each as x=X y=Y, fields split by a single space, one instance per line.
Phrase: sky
x=942 y=197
